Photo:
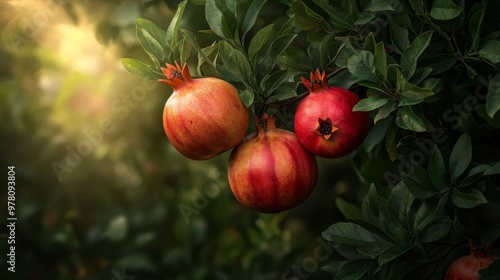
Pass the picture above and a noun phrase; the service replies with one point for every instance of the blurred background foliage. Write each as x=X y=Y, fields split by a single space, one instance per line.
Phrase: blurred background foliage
x=100 y=193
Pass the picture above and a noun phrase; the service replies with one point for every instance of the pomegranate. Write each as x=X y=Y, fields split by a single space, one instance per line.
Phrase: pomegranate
x=324 y=121
x=270 y=171
x=203 y=117
x=467 y=267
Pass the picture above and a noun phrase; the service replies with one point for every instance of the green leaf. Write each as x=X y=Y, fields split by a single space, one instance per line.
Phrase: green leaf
x=399 y=37
x=437 y=170
x=491 y=51
x=294 y=58
x=417 y=189
x=276 y=80
x=287 y=27
x=216 y=20
x=352 y=270
x=407 y=119
x=247 y=96
x=348 y=233
x=252 y=14
x=400 y=202
x=392 y=253
x=117 y=229
x=151 y=38
x=370 y=103
x=391 y=224
x=172 y=33
x=236 y=63
x=445 y=10
x=426 y=213
x=493 y=103
x=275 y=50
x=475 y=22
x=412 y=53
x=385 y=111
x=460 y=157
x=307 y=19
x=470 y=198
x=182 y=51
x=380 y=6
x=258 y=41
x=436 y=230
x=494 y=170
x=373 y=249
x=191 y=39
x=380 y=61
x=361 y=65
x=140 y=69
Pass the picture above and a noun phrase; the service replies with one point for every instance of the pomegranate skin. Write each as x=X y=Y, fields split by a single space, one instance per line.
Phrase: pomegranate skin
x=203 y=117
x=270 y=171
x=467 y=267
x=324 y=121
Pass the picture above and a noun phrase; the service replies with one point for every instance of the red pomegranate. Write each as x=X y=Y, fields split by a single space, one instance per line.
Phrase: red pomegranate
x=203 y=117
x=467 y=267
x=270 y=171
x=324 y=121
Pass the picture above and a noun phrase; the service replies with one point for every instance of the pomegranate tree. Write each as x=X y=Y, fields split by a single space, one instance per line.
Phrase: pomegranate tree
x=204 y=117
x=270 y=171
x=324 y=121
x=467 y=267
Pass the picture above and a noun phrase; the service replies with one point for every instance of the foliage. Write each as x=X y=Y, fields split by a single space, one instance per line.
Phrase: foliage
x=428 y=72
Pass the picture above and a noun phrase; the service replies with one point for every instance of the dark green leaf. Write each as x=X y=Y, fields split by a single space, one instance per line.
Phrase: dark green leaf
x=361 y=65
x=400 y=202
x=348 y=233
x=460 y=157
x=420 y=75
x=191 y=39
x=373 y=249
x=252 y=15
x=370 y=103
x=181 y=51
x=307 y=19
x=294 y=58
x=475 y=22
x=469 y=198
x=380 y=61
x=399 y=37
x=258 y=41
x=494 y=170
x=417 y=189
x=140 y=69
x=276 y=80
x=436 y=230
x=392 y=253
x=352 y=270
x=426 y=213
x=445 y=10
x=493 y=102
x=364 y=18
x=275 y=50
x=385 y=111
x=282 y=93
x=236 y=62
x=437 y=170
x=247 y=96
x=216 y=20
x=287 y=27
x=407 y=119
x=491 y=51
x=391 y=224
x=474 y=174
x=412 y=53
x=391 y=140
x=334 y=266
x=172 y=33
x=381 y=6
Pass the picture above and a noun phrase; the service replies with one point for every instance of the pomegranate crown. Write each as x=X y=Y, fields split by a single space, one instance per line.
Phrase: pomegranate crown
x=316 y=81
x=265 y=123
x=175 y=75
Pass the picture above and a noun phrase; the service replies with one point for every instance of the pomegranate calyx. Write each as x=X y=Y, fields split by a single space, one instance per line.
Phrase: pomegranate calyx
x=316 y=81
x=325 y=128
x=265 y=123
x=176 y=76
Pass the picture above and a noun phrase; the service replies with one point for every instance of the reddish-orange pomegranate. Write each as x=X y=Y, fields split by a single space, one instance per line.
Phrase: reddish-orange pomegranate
x=270 y=171
x=324 y=121
x=467 y=267
x=203 y=117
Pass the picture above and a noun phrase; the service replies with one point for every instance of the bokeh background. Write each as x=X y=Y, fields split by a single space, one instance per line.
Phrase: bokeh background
x=100 y=193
